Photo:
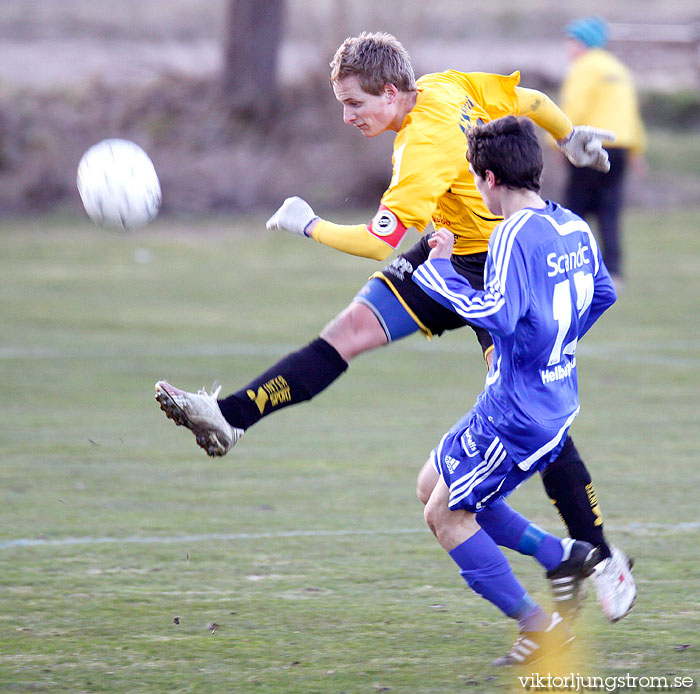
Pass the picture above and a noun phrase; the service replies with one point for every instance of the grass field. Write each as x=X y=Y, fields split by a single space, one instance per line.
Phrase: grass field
x=300 y=562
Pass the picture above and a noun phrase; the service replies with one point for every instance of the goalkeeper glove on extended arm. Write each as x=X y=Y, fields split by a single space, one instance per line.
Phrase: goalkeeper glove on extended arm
x=584 y=147
x=295 y=216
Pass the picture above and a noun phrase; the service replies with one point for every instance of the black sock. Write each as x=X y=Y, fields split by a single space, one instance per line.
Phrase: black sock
x=568 y=484
x=297 y=377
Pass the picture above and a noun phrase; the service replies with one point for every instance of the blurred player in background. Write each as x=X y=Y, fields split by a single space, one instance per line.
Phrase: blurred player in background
x=545 y=285
x=372 y=77
x=599 y=90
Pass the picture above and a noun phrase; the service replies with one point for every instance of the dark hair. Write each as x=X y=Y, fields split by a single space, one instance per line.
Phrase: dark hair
x=509 y=147
x=377 y=59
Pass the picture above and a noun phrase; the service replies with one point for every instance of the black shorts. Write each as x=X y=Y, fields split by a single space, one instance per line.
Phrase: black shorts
x=433 y=318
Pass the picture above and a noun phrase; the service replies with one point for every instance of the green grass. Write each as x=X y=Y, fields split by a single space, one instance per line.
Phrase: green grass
x=674 y=155
x=306 y=545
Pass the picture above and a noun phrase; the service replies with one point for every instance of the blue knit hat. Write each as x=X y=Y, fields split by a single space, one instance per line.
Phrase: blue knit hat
x=593 y=31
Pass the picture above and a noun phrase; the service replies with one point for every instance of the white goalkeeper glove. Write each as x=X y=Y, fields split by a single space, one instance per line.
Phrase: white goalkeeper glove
x=294 y=216
x=584 y=147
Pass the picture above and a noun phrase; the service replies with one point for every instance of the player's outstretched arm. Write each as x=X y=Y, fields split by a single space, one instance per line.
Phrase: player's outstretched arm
x=539 y=108
x=582 y=145
x=297 y=217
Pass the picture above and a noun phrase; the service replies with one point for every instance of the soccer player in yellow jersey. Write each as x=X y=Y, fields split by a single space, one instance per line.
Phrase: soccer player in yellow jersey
x=372 y=77
x=599 y=90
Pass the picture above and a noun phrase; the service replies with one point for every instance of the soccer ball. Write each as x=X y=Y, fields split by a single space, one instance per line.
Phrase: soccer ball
x=118 y=185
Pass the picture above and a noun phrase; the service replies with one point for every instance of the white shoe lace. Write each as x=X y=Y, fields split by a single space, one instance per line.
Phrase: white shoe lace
x=215 y=390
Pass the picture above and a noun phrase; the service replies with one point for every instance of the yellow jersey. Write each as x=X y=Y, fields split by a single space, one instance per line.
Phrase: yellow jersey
x=431 y=179
x=599 y=91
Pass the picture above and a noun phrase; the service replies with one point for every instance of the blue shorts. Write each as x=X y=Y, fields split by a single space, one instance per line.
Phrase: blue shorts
x=475 y=466
x=392 y=316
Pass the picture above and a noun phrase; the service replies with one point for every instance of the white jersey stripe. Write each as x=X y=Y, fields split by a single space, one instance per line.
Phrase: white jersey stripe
x=492 y=300
x=507 y=231
x=463 y=305
x=465 y=479
x=493 y=463
x=456 y=497
x=542 y=450
x=437 y=454
x=499 y=234
x=575 y=225
x=495 y=444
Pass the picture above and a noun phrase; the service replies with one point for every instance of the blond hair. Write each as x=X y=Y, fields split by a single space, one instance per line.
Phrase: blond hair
x=377 y=59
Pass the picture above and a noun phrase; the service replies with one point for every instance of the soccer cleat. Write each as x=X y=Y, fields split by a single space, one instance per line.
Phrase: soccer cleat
x=200 y=413
x=567 y=580
x=532 y=646
x=615 y=585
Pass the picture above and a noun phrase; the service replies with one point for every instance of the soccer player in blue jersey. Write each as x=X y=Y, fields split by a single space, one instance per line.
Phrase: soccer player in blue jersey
x=545 y=284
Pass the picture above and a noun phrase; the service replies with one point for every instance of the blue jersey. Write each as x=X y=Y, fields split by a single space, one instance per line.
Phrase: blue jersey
x=545 y=284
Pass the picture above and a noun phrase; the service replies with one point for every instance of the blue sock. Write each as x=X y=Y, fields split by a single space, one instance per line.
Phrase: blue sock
x=509 y=529
x=503 y=523
x=530 y=616
x=484 y=567
x=550 y=551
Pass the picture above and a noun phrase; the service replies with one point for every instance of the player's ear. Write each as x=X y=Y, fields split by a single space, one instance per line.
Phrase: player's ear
x=390 y=92
x=491 y=179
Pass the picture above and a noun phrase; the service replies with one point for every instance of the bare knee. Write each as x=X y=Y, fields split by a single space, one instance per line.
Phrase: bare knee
x=429 y=516
x=451 y=528
x=427 y=478
x=353 y=331
x=434 y=514
x=422 y=494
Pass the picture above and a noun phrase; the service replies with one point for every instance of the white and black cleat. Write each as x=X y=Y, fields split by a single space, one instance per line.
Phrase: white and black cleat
x=200 y=413
x=532 y=646
x=566 y=582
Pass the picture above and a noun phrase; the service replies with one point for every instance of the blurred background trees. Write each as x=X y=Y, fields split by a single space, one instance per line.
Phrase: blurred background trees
x=253 y=33
x=231 y=97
